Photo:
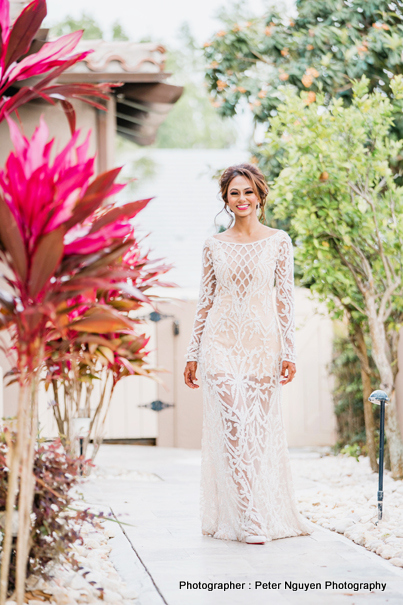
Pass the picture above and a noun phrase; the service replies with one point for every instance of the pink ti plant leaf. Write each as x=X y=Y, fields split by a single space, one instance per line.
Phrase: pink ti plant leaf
x=75 y=268
x=52 y=59
x=74 y=262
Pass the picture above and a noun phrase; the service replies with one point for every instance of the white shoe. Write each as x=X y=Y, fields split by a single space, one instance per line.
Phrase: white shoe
x=255 y=539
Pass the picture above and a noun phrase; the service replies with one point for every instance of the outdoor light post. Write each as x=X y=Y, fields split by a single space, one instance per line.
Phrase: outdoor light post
x=380 y=398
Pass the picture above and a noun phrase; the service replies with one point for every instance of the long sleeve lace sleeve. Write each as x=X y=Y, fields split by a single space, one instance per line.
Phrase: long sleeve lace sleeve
x=206 y=297
x=285 y=298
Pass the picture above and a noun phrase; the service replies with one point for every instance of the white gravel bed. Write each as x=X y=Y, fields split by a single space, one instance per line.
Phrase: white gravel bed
x=97 y=581
x=121 y=474
x=341 y=495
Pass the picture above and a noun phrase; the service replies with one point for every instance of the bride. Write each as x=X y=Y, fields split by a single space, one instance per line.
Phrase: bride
x=243 y=341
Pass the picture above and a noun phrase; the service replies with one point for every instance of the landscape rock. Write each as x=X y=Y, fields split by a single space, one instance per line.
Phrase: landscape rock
x=96 y=581
x=345 y=501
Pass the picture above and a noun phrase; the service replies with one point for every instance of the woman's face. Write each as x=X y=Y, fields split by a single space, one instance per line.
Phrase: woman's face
x=242 y=200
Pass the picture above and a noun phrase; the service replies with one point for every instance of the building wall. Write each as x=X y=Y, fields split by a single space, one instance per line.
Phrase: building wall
x=16 y=7
x=57 y=123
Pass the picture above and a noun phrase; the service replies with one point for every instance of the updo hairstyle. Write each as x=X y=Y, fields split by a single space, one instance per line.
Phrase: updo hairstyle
x=257 y=181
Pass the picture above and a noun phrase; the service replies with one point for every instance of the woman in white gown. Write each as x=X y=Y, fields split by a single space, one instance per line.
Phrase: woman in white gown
x=246 y=353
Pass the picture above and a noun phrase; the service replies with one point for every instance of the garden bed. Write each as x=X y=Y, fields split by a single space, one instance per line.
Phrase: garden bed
x=341 y=495
x=96 y=579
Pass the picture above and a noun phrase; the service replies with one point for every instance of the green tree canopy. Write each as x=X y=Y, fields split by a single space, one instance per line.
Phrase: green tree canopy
x=193 y=122
x=326 y=46
x=92 y=29
x=345 y=209
x=118 y=33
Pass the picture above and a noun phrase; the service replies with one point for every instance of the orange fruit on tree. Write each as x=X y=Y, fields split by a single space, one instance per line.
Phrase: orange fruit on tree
x=306 y=80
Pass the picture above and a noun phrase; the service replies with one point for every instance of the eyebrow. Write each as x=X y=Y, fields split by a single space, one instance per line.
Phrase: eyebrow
x=236 y=188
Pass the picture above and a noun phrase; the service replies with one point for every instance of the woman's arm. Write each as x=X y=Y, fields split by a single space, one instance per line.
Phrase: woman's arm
x=285 y=307
x=206 y=297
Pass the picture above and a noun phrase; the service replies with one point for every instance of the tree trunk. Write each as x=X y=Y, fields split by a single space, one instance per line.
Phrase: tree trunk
x=56 y=410
x=12 y=485
x=379 y=353
x=98 y=433
x=94 y=419
x=369 y=420
x=27 y=487
x=359 y=343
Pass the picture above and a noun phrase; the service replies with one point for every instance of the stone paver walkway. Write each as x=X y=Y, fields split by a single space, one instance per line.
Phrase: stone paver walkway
x=155 y=491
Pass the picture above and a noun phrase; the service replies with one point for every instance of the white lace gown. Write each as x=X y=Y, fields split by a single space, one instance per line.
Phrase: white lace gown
x=239 y=342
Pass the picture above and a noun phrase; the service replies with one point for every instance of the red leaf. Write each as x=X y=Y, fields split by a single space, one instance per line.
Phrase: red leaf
x=24 y=95
x=1 y=37
x=24 y=30
x=81 y=88
x=127 y=211
x=94 y=195
x=103 y=182
x=45 y=261
x=64 y=65
x=13 y=242
x=132 y=290
x=92 y=339
x=51 y=93
x=50 y=55
x=90 y=102
x=70 y=115
x=127 y=365
x=101 y=321
x=93 y=90
x=84 y=285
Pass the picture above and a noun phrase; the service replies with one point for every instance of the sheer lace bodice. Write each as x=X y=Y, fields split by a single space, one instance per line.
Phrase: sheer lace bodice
x=243 y=330
x=241 y=283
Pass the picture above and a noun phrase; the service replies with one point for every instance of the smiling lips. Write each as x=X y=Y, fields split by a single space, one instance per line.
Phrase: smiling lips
x=243 y=207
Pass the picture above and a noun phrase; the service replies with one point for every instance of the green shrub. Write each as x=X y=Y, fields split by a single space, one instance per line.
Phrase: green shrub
x=348 y=399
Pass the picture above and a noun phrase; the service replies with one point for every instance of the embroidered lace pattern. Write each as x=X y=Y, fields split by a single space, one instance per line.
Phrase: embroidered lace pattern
x=242 y=332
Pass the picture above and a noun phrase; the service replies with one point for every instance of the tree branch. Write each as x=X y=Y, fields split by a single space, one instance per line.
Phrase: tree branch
x=370 y=201
x=383 y=313
x=261 y=57
x=349 y=266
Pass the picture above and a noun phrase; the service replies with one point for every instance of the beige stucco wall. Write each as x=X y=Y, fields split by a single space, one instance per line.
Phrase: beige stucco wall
x=57 y=123
x=16 y=7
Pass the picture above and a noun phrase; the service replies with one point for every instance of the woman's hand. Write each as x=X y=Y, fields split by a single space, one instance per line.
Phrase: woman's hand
x=288 y=371
x=190 y=374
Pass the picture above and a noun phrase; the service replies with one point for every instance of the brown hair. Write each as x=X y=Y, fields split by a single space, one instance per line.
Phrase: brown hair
x=256 y=178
